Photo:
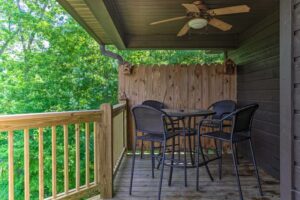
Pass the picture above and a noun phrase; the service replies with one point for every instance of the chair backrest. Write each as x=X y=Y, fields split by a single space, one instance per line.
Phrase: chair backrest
x=243 y=118
x=154 y=104
x=148 y=119
x=222 y=107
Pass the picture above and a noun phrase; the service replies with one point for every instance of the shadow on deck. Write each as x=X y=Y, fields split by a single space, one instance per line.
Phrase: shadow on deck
x=146 y=188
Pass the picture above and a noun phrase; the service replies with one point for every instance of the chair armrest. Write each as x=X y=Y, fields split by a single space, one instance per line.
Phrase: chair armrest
x=225 y=114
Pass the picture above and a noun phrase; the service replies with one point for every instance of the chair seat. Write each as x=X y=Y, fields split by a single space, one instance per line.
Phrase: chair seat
x=215 y=124
x=186 y=131
x=221 y=135
x=156 y=137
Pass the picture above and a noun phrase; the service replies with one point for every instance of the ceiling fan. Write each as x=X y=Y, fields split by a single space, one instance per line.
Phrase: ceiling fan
x=200 y=16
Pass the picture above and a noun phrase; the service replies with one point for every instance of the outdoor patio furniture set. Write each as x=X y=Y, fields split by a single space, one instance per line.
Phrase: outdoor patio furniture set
x=221 y=122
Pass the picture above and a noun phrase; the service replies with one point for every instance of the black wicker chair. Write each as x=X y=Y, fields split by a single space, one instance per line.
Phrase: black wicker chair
x=241 y=132
x=154 y=104
x=176 y=122
x=157 y=105
x=156 y=126
x=221 y=108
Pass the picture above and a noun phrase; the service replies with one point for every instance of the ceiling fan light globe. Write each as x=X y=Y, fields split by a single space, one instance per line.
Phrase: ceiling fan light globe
x=197 y=23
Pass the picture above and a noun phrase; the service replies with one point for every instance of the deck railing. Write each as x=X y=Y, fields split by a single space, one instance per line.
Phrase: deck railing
x=106 y=127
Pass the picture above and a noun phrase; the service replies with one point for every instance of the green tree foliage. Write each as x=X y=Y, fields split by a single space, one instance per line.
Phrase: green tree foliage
x=49 y=63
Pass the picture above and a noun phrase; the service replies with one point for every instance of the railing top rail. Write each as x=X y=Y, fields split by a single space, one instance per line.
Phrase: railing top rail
x=47 y=114
x=118 y=108
x=36 y=120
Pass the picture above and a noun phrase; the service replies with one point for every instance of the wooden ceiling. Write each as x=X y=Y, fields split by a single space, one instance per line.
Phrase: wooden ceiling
x=125 y=23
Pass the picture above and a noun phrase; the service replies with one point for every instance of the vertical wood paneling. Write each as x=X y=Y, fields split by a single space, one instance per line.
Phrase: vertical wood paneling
x=41 y=164
x=54 y=161
x=66 y=158
x=26 y=165
x=296 y=105
x=11 y=165
x=257 y=82
x=195 y=86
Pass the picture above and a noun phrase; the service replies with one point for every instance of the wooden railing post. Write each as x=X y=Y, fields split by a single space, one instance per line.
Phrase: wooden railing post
x=125 y=116
x=106 y=153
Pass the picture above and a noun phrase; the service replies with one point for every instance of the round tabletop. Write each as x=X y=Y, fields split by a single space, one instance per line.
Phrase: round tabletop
x=188 y=112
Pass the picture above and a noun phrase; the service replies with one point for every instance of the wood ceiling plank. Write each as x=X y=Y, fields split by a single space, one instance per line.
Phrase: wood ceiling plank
x=101 y=13
x=136 y=15
x=229 y=41
x=68 y=7
x=125 y=23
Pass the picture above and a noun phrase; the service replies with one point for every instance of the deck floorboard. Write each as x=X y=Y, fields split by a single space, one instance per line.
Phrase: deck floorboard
x=145 y=188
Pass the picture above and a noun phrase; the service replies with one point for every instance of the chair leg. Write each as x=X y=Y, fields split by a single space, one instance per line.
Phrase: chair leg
x=142 y=149
x=220 y=159
x=160 y=157
x=179 y=147
x=237 y=154
x=132 y=168
x=236 y=170
x=152 y=159
x=197 y=163
x=162 y=169
x=218 y=146
x=190 y=149
x=172 y=162
x=255 y=166
x=200 y=150
x=204 y=160
x=185 y=162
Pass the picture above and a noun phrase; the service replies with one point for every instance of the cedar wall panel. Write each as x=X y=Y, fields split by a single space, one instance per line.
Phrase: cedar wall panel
x=296 y=145
x=179 y=86
x=258 y=81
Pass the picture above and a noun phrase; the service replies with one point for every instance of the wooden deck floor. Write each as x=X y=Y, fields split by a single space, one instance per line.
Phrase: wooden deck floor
x=145 y=188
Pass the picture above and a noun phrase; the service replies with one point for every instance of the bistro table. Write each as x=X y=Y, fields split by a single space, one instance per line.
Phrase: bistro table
x=188 y=131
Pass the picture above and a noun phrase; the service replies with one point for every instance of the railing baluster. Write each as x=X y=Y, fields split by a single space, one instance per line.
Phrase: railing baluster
x=77 y=141
x=95 y=151
x=87 y=154
x=11 y=165
x=26 y=165
x=66 y=158
x=41 y=164
x=53 y=161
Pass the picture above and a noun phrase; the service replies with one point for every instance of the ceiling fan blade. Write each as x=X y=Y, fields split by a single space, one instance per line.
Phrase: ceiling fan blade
x=191 y=7
x=229 y=10
x=183 y=30
x=220 y=24
x=168 y=20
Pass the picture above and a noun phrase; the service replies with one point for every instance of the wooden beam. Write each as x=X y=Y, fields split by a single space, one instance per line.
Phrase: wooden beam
x=286 y=99
x=21 y=121
x=106 y=153
x=216 y=41
x=102 y=14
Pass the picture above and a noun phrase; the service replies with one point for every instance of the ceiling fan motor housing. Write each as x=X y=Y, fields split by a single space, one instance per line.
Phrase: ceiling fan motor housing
x=198 y=23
